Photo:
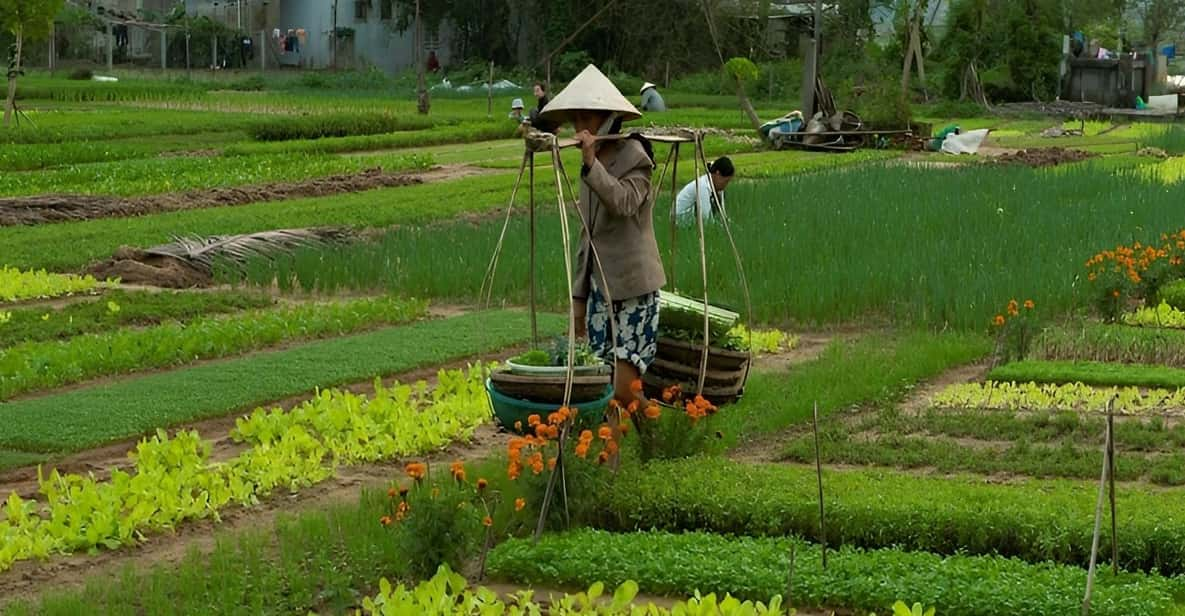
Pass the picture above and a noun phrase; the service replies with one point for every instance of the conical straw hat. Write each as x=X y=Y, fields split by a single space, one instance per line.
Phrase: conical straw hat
x=645 y=86
x=591 y=90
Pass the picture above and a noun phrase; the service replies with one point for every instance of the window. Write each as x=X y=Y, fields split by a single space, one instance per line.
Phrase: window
x=386 y=8
x=361 y=8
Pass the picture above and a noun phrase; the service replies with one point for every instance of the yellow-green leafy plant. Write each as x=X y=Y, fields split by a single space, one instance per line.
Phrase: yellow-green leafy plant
x=16 y=285
x=1163 y=315
x=1057 y=397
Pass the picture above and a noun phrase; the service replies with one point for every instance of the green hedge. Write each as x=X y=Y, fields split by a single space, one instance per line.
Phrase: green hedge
x=1089 y=373
x=285 y=128
x=1033 y=520
x=751 y=568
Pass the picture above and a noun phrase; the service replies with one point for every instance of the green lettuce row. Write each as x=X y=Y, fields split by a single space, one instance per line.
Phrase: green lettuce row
x=757 y=568
x=42 y=365
x=16 y=285
x=1035 y=520
x=173 y=480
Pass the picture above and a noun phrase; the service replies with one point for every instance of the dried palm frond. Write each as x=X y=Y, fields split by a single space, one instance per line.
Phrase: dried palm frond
x=202 y=252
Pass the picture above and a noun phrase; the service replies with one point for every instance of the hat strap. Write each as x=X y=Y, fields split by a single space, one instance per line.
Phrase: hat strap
x=604 y=130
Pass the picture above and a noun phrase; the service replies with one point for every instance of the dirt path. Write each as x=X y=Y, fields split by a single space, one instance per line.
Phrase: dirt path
x=59 y=208
x=770 y=447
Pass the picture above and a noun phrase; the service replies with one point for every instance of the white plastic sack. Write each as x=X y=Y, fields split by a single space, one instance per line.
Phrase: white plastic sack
x=103 y=78
x=964 y=143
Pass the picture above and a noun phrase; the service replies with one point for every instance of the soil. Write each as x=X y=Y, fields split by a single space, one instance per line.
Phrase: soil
x=1044 y=157
x=58 y=208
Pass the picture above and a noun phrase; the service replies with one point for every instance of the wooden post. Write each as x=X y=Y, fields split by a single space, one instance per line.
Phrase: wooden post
x=188 y=66
x=333 y=36
x=164 y=49
x=531 y=252
x=1111 y=479
x=263 y=51
x=667 y=82
x=214 y=52
x=549 y=75
x=819 y=475
x=1098 y=522
x=53 y=42
x=110 y=47
x=809 y=76
x=490 y=93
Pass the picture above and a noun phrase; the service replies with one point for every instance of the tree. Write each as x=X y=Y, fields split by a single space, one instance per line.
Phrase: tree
x=742 y=70
x=1160 y=17
x=26 y=20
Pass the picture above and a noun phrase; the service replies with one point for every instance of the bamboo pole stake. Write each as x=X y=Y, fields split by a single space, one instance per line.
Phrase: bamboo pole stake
x=674 y=220
x=531 y=277
x=1098 y=522
x=790 y=576
x=490 y=93
x=1111 y=480
x=819 y=476
x=699 y=221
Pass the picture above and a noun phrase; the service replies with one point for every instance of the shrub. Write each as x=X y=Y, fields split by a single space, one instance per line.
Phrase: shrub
x=1173 y=294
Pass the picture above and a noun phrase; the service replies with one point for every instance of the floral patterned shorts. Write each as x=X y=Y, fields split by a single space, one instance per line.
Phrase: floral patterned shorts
x=636 y=324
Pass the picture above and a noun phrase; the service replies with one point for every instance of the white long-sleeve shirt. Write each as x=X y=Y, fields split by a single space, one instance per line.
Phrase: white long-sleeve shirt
x=685 y=201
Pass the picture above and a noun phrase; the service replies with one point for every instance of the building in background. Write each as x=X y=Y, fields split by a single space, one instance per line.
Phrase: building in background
x=364 y=30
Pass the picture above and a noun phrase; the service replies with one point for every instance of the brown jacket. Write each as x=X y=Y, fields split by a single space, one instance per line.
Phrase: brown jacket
x=615 y=205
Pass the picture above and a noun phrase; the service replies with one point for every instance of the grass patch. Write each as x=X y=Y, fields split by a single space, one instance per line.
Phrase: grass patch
x=153 y=176
x=1090 y=373
x=1038 y=445
x=120 y=308
x=16 y=459
x=462 y=133
x=978 y=245
x=749 y=568
x=1171 y=139
x=34 y=366
x=105 y=123
x=877 y=367
x=89 y=417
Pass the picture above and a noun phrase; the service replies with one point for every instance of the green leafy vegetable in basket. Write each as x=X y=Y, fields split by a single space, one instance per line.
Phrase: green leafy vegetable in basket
x=558 y=355
x=678 y=313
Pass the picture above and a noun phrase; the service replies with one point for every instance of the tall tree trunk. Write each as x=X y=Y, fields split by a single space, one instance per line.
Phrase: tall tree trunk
x=423 y=104
x=747 y=106
x=10 y=101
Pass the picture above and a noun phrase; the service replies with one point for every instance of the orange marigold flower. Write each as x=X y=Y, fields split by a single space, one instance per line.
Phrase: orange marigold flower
x=636 y=386
x=482 y=484
x=1029 y=305
x=391 y=492
x=632 y=408
x=541 y=430
x=668 y=394
x=487 y=521
x=553 y=432
x=555 y=419
x=624 y=428
x=551 y=464
x=520 y=504
x=998 y=321
x=518 y=426
x=611 y=447
x=536 y=462
x=385 y=520
x=586 y=436
x=514 y=470
x=564 y=412
x=582 y=450
x=416 y=470
x=402 y=491
x=605 y=433
x=653 y=412
x=457 y=469
x=603 y=457
x=533 y=420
